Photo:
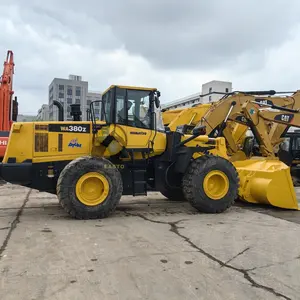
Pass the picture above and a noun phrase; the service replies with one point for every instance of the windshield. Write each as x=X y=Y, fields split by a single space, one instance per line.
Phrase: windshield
x=139 y=108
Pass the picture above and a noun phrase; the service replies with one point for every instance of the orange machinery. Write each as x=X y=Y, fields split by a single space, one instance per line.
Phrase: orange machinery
x=8 y=106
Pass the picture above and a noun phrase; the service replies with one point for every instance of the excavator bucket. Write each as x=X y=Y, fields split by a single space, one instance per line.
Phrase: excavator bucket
x=266 y=182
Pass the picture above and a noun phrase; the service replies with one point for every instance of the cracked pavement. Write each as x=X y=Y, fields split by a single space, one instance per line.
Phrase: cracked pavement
x=150 y=248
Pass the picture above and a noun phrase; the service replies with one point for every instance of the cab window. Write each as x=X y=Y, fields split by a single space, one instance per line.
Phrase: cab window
x=138 y=105
x=106 y=107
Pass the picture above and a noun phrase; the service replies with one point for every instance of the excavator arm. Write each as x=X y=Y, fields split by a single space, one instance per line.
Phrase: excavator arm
x=6 y=93
x=8 y=107
x=259 y=118
x=226 y=117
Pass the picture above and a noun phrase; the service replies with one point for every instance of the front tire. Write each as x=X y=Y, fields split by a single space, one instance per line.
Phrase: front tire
x=211 y=184
x=89 y=188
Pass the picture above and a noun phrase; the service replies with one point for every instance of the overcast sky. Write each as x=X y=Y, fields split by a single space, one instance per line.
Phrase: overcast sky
x=169 y=44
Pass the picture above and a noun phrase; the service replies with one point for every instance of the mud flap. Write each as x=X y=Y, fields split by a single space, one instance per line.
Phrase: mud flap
x=266 y=182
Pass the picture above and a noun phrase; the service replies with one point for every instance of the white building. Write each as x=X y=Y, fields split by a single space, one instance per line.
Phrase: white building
x=72 y=91
x=67 y=92
x=215 y=86
x=211 y=91
x=94 y=96
x=43 y=113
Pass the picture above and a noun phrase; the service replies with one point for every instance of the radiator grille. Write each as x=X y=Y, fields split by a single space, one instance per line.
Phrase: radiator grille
x=41 y=127
x=41 y=142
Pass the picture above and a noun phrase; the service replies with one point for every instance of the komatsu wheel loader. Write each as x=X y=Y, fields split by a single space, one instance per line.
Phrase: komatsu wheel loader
x=90 y=165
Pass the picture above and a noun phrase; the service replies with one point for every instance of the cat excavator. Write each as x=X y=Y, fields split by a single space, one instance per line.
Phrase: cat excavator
x=225 y=118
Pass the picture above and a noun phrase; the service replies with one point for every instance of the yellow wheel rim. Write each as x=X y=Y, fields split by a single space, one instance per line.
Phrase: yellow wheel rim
x=92 y=189
x=216 y=185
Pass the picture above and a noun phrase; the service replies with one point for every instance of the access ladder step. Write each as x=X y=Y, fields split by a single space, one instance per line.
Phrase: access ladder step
x=139 y=183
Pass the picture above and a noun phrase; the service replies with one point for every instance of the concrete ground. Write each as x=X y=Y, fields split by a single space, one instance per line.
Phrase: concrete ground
x=150 y=248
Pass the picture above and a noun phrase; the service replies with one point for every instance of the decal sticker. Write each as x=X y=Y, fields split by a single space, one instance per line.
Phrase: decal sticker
x=252 y=111
x=284 y=117
x=3 y=142
x=74 y=144
x=262 y=102
x=78 y=128
x=138 y=132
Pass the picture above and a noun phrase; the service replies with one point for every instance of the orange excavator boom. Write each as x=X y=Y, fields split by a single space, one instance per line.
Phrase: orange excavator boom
x=8 y=111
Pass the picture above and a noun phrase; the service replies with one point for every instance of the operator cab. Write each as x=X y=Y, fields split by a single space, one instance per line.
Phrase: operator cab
x=131 y=106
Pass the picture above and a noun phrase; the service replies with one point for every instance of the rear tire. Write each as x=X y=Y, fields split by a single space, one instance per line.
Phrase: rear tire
x=211 y=184
x=96 y=200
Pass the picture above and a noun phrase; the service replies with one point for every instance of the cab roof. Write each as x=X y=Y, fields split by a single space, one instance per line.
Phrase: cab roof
x=127 y=87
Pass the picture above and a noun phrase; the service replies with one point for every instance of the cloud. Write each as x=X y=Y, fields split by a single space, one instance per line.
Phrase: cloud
x=172 y=45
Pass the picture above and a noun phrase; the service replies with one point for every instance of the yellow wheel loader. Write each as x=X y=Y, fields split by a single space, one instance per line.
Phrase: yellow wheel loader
x=270 y=178
x=261 y=176
x=90 y=165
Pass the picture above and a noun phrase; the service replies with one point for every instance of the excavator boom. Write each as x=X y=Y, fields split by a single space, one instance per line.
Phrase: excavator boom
x=8 y=111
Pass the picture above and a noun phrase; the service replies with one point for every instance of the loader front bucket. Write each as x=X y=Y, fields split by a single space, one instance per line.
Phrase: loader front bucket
x=266 y=182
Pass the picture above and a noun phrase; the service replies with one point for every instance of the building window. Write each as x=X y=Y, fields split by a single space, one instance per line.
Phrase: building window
x=77 y=101
x=97 y=103
x=61 y=87
x=210 y=90
x=69 y=100
x=78 y=91
x=226 y=90
x=61 y=95
x=69 y=91
x=97 y=111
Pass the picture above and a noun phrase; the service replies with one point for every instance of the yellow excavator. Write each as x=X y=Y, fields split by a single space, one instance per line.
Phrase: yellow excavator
x=90 y=165
x=225 y=118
